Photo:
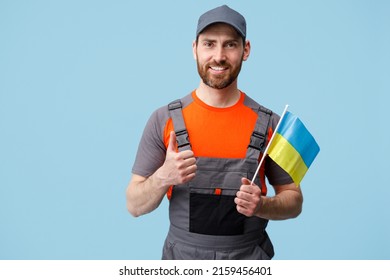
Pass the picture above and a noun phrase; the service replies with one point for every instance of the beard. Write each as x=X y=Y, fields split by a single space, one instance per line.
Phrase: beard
x=218 y=81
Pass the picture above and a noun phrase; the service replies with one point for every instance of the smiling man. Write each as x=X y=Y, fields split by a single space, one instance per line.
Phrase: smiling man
x=200 y=150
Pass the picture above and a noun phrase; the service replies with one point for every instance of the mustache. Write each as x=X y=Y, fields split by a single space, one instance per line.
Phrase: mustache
x=218 y=64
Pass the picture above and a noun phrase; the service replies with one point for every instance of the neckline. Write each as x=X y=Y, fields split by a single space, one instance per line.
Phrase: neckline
x=217 y=109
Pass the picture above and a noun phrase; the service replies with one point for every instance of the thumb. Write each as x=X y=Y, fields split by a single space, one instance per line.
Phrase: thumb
x=245 y=181
x=172 y=144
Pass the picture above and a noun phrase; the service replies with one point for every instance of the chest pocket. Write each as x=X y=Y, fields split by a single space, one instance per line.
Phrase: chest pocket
x=212 y=207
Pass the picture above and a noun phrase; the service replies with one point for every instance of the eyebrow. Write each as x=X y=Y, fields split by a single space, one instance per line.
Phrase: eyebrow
x=214 y=40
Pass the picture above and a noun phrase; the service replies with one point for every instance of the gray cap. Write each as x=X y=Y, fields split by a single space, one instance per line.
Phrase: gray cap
x=225 y=15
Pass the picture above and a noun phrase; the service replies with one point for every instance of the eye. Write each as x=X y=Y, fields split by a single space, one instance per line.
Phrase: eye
x=207 y=44
x=231 y=45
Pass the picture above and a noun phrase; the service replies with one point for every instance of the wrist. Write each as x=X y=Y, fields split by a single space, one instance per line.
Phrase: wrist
x=261 y=208
x=160 y=181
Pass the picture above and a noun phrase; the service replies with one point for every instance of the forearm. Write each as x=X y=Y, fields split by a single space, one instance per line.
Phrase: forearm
x=284 y=205
x=144 y=194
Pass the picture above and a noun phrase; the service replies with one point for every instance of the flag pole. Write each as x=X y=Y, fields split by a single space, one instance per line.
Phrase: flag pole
x=269 y=144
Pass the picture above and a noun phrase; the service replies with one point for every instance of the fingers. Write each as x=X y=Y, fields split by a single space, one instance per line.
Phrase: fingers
x=249 y=187
x=187 y=169
x=172 y=147
x=172 y=144
x=248 y=198
x=179 y=167
x=189 y=173
x=186 y=155
x=245 y=181
x=182 y=173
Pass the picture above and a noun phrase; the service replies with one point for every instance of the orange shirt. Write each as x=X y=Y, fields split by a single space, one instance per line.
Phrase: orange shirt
x=210 y=128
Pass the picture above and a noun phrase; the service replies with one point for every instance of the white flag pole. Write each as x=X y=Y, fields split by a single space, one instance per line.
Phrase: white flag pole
x=269 y=144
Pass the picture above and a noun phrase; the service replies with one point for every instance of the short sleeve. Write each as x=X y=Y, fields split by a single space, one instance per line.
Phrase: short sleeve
x=151 y=149
x=274 y=173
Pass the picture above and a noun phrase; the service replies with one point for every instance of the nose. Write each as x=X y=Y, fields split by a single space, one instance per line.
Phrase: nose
x=219 y=55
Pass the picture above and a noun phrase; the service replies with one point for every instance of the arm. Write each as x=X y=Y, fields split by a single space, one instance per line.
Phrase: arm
x=143 y=195
x=286 y=204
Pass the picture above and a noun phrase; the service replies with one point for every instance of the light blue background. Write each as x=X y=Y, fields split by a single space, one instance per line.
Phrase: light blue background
x=79 y=79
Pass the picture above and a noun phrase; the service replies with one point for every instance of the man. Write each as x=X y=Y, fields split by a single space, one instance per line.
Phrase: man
x=202 y=152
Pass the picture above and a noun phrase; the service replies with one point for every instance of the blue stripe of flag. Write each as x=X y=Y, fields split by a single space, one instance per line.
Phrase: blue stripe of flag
x=294 y=131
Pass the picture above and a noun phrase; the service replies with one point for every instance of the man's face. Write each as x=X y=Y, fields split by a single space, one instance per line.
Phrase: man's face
x=219 y=53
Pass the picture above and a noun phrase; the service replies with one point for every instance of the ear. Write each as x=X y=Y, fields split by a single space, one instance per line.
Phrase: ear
x=247 y=50
x=194 y=49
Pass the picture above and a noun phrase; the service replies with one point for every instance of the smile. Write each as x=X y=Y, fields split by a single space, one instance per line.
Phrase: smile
x=218 y=68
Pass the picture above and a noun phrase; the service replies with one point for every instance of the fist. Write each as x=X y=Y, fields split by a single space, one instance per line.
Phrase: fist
x=248 y=198
x=179 y=167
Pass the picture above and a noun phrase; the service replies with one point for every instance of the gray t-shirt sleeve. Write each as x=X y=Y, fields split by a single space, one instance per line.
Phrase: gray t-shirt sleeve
x=274 y=173
x=151 y=149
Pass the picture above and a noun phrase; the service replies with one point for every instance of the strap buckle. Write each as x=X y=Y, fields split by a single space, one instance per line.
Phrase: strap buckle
x=265 y=110
x=257 y=141
x=174 y=105
x=182 y=138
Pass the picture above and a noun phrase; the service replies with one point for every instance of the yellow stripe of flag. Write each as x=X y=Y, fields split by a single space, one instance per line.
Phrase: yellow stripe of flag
x=285 y=155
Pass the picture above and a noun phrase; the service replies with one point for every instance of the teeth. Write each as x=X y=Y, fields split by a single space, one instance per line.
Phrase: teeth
x=217 y=68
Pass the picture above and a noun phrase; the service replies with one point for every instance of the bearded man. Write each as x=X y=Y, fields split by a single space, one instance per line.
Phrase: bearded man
x=200 y=150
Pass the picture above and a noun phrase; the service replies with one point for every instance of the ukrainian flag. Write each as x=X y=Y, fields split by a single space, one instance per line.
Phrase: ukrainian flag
x=293 y=147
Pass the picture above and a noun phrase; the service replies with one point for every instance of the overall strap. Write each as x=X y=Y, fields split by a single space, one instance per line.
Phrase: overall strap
x=258 y=139
x=175 y=112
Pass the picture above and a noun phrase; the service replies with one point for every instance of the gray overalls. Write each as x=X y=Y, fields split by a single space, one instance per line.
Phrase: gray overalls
x=204 y=221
